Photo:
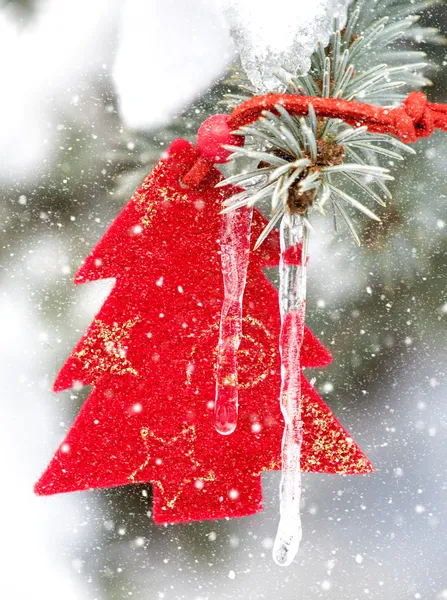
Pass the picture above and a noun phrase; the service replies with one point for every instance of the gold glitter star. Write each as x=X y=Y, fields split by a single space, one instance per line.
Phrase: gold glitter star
x=141 y=198
x=103 y=350
x=188 y=433
x=162 y=194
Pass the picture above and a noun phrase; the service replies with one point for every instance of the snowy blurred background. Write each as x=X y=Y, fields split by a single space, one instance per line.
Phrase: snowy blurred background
x=91 y=94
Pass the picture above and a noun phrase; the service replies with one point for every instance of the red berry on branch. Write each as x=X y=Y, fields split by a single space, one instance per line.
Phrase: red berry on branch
x=213 y=134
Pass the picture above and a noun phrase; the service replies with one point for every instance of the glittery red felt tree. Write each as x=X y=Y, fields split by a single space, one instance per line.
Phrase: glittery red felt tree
x=150 y=354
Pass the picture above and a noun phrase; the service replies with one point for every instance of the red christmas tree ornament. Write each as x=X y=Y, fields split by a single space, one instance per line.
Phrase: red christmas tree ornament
x=194 y=347
x=150 y=355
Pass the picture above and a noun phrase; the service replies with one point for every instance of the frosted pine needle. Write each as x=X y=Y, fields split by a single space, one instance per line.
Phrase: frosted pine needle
x=300 y=164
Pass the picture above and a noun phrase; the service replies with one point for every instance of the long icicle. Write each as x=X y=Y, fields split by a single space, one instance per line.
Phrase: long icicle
x=235 y=252
x=292 y=302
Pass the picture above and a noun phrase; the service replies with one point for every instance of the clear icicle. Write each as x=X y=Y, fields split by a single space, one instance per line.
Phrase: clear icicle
x=235 y=252
x=292 y=302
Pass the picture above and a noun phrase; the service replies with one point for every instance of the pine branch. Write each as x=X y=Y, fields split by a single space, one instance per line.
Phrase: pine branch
x=307 y=161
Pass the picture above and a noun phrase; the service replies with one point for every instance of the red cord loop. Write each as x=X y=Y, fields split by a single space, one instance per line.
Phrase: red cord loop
x=197 y=173
x=414 y=119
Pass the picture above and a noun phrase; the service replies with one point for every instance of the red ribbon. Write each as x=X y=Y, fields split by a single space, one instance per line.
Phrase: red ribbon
x=413 y=119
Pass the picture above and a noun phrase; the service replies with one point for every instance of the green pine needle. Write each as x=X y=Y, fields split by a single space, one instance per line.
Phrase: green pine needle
x=307 y=161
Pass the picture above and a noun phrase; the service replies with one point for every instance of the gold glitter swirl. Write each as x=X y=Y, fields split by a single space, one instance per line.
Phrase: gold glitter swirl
x=188 y=433
x=266 y=354
x=103 y=350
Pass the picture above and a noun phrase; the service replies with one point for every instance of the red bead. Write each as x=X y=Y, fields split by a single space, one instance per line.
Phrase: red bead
x=212 y=134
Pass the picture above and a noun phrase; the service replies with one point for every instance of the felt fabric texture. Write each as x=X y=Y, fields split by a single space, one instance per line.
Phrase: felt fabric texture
x=150 y=354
